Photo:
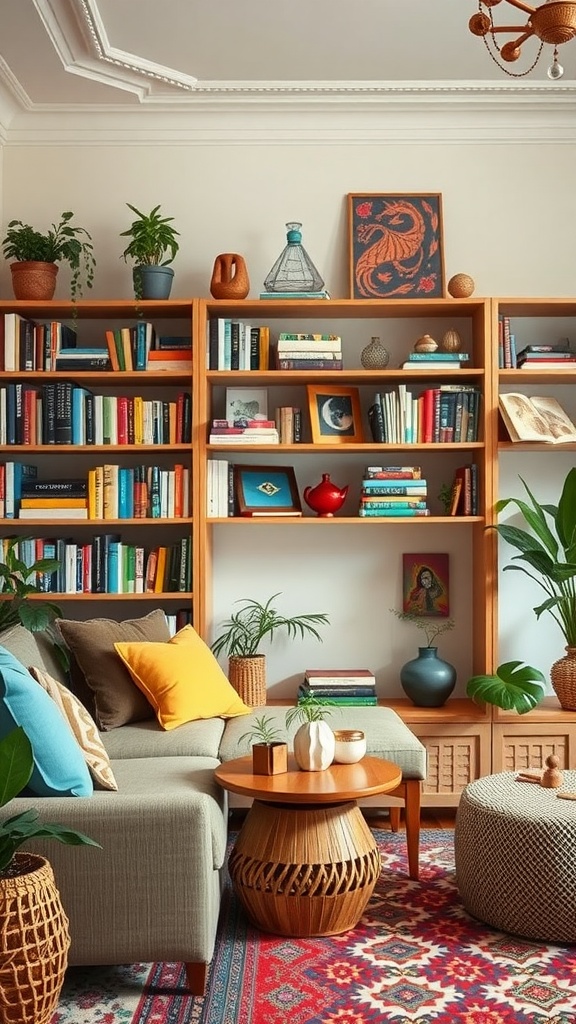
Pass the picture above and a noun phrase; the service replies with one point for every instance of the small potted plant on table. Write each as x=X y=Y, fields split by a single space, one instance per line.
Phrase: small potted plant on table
x=269 y=750
x=314 y=741
x=36 y=256
x=153 y=247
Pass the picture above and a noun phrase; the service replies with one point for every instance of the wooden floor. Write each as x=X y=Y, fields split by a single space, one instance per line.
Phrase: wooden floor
x=431 y=817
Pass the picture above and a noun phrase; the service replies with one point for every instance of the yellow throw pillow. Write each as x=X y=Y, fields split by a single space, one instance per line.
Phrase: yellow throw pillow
x=181 y=679
x=83 y=726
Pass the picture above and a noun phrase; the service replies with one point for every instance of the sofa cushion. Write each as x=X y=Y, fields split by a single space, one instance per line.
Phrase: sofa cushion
x=33 y=649
x=83 y=726
x=59 y=765
x=181 y=679
x=116 y=699
x=200 y=738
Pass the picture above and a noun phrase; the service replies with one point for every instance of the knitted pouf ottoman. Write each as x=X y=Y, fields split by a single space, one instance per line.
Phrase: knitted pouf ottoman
x=515 y=849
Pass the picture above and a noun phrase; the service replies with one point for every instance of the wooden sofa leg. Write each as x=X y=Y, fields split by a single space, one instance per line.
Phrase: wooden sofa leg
x=413 y=789
x=196 y=976
x=394 y=813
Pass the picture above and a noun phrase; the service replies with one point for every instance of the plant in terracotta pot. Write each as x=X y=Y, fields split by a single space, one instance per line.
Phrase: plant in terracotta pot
x=243 y=633
x=427 y=680
x=36 y=257
x=514 y=686
x=152 y=248
x=547 y=555
x=269 y=750
x=34 y=939
x=314 y=742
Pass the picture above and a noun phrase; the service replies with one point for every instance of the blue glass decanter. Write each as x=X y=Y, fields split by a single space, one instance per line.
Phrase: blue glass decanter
x=293 y=271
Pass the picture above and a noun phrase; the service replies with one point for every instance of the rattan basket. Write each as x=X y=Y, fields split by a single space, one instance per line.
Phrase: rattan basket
x=554 y=22
x=563 y=679
x=34 y=943
x=248 y=677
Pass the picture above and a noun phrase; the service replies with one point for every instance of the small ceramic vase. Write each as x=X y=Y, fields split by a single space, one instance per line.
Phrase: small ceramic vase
x=326 y=498
x=374 y=356
x=428 y=680
x=229 y=277
x=451 y=342
x=461 y=286
x=314 y=746
x=426 y=344
x=350 y=745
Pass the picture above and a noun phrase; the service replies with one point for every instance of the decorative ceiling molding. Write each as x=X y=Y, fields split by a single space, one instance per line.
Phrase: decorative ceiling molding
x=83 y=47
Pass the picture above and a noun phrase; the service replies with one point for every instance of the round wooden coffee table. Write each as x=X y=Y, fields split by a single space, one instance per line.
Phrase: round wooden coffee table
x=305 y=862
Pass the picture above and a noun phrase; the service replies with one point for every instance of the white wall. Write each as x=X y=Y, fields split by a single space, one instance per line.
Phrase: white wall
x=509 y=215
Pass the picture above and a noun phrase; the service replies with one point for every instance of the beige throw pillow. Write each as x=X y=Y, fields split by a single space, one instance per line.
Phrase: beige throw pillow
x=117 y=699
x=83 y=726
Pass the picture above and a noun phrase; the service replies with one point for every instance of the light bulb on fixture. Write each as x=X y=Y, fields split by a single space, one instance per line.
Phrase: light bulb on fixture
x=554 y=22
x=555 y=71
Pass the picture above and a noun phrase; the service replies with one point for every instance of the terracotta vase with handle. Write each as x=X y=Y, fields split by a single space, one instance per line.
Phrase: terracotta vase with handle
x=229 y=277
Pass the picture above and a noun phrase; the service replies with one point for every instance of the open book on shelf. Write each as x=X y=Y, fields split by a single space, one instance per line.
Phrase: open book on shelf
x=536 y=419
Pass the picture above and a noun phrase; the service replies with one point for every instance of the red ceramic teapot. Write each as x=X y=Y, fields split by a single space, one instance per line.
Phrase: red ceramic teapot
x=326 y=498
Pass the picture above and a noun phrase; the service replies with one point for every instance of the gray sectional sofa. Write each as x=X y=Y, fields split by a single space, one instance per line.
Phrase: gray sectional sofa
x=152 y=893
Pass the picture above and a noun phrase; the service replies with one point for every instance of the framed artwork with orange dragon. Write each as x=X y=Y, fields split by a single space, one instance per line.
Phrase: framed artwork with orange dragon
x=396 y=246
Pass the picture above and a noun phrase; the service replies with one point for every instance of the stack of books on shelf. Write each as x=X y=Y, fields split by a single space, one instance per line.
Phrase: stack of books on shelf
x=219 y=489
x=28 y=345
x=289 y=424
x=546 y=357
x=535 y=418
x=140 y=348
x=464 y=499
x=343 y=687
x=303 y=351
x=437 y=360
x=253 y=432
x=234 y=345
x=506 y=344
x=52 y=499
x=393 y=491
x=445 y=414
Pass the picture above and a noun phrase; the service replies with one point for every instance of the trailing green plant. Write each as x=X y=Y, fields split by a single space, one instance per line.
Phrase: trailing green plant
x=432 y=627
x=245 y=630
x=153 y=237
x=263 y=730
x=513 y=687
x=20 y=581
x=309 y=709
x=547 y=551
x=16 y=766
x=445 y=497
x=62 y=243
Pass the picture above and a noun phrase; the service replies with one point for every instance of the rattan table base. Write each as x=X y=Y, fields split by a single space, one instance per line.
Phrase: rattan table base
x=304 y=871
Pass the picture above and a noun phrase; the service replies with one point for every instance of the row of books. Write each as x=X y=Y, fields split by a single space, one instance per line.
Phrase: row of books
x=106 y=565
x=141 y=348
x=64 y=413
x=464 y=500
x=235 y=345
x=302 y=351
x=27 y=345
x=342 y=687
x=109 y=492
x=447 y=414
x=553 y=356
x=243 y=432
x=393 y=492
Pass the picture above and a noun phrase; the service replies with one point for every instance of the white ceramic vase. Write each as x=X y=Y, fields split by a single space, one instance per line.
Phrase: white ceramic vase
x=314 y=746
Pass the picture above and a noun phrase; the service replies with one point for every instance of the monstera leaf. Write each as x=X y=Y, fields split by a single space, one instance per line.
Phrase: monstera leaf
x=513 y=687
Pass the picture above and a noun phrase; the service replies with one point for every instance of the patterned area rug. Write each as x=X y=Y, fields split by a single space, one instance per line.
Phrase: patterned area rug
x=416 y=956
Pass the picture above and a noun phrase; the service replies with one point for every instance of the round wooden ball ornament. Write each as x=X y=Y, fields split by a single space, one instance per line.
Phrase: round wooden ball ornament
x=451 y=342
x=461 y=286
x=426 y=344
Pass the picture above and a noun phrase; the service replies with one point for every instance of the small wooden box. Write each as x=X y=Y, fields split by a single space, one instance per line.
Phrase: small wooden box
x=269 y=758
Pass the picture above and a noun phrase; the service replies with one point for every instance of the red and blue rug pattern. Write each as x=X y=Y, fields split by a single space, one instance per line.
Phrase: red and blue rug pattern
x=416 y=957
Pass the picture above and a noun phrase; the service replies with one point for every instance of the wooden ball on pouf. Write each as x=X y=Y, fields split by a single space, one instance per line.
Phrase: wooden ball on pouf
x=461 y=286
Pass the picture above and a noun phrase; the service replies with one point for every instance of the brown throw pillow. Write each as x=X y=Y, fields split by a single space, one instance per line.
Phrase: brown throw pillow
x=117 y=699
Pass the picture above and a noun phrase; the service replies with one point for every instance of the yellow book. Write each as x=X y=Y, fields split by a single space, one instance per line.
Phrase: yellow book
x=53 y=503
x=110 y=478
x=138 y=419
x=126 y=339
x=264 y=348
x=160 y=570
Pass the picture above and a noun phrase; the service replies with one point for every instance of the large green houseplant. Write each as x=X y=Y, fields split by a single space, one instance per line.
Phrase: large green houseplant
x=34 y=938
x=64 y=242
x=152 y=248
x=242 y=634
x=18 y=582
x=547 y=555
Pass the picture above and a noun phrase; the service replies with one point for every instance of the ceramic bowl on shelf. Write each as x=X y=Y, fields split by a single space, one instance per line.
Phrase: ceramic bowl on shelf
x=350 y=745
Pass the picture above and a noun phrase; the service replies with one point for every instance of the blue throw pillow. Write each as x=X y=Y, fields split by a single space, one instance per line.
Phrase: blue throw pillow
x=59 y=765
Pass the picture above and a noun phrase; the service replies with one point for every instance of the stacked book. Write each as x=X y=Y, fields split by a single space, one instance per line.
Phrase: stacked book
x=393 y=491
x=289 y=424
x=251 y=432
x=140 y=348
x=436 y=360
x=546 y=357
x=309 y=351
x=339 y=686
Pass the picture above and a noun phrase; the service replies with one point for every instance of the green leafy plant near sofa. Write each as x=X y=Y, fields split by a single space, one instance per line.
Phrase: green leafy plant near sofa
x=245 y=630
x=17 y=582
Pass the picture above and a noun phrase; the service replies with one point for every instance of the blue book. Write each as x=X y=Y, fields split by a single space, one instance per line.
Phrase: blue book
x=79 y=396
x=140 y=346
x=125 y=493
x=438 y=357
x=114 y=567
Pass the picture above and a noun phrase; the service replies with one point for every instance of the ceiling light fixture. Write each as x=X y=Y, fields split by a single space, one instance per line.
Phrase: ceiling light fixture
x=554 y=22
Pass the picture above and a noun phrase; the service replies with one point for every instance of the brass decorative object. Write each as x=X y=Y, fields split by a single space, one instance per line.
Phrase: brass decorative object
x=451 y=342
x=461 y=286
x=553 y=22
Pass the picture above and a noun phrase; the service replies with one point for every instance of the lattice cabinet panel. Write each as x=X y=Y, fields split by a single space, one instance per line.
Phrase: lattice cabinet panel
x=527 y=745
x=457 y=754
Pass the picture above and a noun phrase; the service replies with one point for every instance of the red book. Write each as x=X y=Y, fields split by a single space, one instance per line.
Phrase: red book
x=122 y=415
x=428 y=431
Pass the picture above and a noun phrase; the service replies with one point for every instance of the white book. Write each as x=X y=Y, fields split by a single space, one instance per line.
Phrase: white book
x=139 y=580
x=210 y=503
x=53 y=513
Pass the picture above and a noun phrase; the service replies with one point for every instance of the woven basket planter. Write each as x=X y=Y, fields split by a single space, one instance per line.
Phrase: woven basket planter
x=33 y=281
x=248 y=677
x=34 y=943
x=563 y=679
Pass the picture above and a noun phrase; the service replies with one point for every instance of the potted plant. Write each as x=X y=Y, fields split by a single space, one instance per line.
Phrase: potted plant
x=242 y=635
x=34 y=939
x=427 y=680
x=20 y=581
x=314 y=742
x=547 y=554
x=153 y=247
x=269 y=750
x=37 y=254
x=514 y=686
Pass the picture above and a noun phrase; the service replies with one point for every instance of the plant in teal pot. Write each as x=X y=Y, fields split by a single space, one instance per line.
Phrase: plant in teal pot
x=427 y=680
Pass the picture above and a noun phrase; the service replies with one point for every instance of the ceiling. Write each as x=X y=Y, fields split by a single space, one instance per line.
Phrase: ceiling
x=95 y=54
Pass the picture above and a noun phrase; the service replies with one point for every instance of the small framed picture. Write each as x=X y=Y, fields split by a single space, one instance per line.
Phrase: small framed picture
x=244 y=404
x=266 y=491
x=396 y=246
x=335 y=415
x=425 y=585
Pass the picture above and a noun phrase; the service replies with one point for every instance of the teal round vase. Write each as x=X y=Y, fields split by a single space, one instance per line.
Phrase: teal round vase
x=428 y=680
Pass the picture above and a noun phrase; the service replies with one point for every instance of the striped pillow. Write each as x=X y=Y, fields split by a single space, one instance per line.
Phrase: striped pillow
x=82 y=725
